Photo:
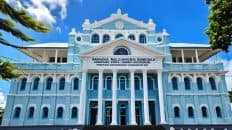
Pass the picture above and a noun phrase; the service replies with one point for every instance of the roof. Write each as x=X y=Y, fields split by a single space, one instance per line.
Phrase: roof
x=48 y=45
x=188 y=45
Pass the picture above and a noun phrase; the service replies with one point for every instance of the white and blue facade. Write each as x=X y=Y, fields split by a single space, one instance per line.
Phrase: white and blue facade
x=118 y=71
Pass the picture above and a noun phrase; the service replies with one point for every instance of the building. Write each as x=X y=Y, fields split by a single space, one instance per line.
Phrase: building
x=119 y=71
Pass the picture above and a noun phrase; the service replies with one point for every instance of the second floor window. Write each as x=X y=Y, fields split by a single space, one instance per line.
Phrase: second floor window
x=187 y=83
x=174 y=83
x=212 y=83
x=122 y=83
x=199 y=84
x=49 y=83
x=76 y=84
x=36 y=84
x=23 y=84
x=62 y=84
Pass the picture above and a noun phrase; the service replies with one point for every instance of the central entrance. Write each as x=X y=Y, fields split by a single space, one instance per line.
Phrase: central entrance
x=123 y=112
x=93 y=112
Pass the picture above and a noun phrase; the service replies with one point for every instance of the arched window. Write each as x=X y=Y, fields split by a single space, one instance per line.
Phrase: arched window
x=150 y=83
x=199 y=84
x=106 y=38
x=187 y=83
x=36 y=83
x=31 y=112
x=142 y=38
x=23 y=84
x=137 y=83
x=62 y=84
x=121 y=51
x=95 y=82
x=176 y=112
x=212 y=83
x=60 y=112
x=218 y=112
x=122 y=83
x=17 y=112
x=75 y=84
x=118 y=36
x=49 y=83
x=190 y=112
x=95 y=38
x=108 y=83
x=131 y=37
x=45 y=112
x=74 y=112
x=174 y=83
x=204 y=112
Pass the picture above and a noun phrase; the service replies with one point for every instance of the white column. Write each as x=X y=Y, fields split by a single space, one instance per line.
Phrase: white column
x=161 y=98
x=197 y=57
x=145 y=99
x=132 y=89
x=182 y=55
x=100 y=93
x=114 y=99
x=56 y=55
x=81 y=118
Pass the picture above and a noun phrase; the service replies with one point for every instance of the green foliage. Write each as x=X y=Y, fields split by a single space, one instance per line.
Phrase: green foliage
x=7 y=69
x=220 y=24
x=19 y=16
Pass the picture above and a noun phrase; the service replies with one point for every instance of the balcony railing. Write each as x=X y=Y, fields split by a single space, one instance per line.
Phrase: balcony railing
x=48 y=66
x=193 y=66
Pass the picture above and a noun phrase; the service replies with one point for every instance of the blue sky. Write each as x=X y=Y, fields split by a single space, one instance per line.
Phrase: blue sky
x=185 y=20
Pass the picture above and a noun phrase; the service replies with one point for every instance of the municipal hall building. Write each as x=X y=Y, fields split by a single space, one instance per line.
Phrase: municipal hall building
x=119 y=71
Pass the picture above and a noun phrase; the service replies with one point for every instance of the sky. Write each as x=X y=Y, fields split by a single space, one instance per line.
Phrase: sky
x=185 y=21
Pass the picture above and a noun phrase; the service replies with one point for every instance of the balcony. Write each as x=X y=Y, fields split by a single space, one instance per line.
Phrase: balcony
x=193 y=66
x=48 y=66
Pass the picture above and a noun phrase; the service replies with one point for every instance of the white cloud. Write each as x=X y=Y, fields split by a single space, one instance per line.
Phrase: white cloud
x=42 y=9
x=2 y=100
x=58 y=29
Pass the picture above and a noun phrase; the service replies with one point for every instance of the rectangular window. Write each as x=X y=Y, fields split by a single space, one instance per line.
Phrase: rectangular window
x=179 y=59
x=51 y=59
x=64 y=60
x=58 y=60
x=174 y=59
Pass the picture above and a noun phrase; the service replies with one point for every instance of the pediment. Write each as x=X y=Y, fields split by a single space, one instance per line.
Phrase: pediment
x=135 y=49
x=116 y=21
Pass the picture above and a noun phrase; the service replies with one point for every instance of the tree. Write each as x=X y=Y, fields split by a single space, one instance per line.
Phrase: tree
x=220 y=24
x=11 y=16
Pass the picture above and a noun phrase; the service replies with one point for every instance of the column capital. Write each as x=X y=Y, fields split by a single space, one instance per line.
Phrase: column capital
x=100 y=70
x=84 y=70
x=159 y=71
x=144 y=71
x=114 y=71
x=131 y=70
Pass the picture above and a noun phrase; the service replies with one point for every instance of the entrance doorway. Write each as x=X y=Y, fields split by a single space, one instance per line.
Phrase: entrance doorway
x=93 y=112
x=123 y=113
x=138 y=112
x=152 y=112
x=108 y=113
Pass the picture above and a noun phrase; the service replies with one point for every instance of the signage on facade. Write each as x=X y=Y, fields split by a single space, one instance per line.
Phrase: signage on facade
x=106 y=61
